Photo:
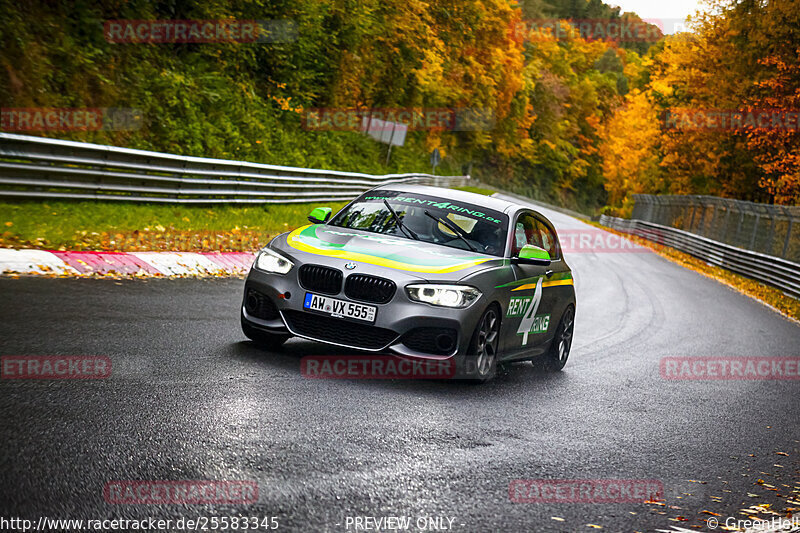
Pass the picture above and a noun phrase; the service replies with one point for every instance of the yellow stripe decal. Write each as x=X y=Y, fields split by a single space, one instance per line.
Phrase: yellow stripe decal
x=294 y=242
x=557 y=283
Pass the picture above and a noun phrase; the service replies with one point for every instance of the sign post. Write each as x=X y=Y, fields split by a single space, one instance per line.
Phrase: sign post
x=436 y=158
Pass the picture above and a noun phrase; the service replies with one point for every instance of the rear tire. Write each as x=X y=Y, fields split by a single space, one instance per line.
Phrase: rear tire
x=484 y=344
x=556 y=357
x=270 y=341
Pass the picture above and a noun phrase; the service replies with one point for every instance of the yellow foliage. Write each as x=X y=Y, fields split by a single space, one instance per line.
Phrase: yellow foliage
x=630 y=151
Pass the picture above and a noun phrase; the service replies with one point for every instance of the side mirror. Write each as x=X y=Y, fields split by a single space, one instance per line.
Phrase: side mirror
x=532 y=255
x=319 y=215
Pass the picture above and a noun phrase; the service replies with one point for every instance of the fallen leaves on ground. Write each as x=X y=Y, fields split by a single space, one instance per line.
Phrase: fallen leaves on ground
x=156 y=239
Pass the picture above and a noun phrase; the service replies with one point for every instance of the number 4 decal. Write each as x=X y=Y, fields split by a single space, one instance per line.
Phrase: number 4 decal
x=526 y=325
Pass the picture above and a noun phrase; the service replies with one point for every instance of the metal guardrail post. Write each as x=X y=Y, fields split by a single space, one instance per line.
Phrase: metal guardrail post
x=724 y=233
x=660 y=208
x=755 y=231
x=642 y=207
x=771 y=234
x=701 y=224
x=669 y=217
x=683 y=210
x=788 y=235
x=714 y=217
x=739 y=226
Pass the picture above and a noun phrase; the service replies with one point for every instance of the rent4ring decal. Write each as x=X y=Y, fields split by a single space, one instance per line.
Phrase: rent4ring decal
x=526 y=307
x=517 y=307
x=540 y=324
x=435 y=203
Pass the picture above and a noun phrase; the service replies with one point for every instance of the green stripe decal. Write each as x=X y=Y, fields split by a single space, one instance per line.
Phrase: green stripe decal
x=560 y=276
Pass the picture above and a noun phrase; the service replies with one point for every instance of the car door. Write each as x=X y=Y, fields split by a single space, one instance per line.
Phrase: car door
x=558 y=281
x=527 y=318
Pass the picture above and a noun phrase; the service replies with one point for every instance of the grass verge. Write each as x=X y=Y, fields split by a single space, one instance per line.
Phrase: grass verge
x=135 y=227
x=129 y=227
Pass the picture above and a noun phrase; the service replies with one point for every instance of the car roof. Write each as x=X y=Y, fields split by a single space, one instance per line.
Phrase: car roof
x=454 y=195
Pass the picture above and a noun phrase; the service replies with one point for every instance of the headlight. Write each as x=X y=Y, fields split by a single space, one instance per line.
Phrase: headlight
x=459 y=296
x=269 y=261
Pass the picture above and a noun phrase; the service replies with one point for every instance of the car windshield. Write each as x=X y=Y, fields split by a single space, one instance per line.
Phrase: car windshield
x=454 y=224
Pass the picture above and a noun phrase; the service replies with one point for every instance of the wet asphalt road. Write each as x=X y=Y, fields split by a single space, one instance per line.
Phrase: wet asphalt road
x=190 y=399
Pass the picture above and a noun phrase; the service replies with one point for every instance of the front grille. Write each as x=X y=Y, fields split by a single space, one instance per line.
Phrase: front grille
x=321 y=279
x=260 y=306
x=328 y=329
x=369 y=288
x=436 y=341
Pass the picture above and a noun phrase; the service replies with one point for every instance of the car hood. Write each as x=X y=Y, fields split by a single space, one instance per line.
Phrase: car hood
x=419 y=258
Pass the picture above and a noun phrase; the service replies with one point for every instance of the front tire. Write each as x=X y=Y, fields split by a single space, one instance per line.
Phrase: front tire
x=484 y=344
x=270 y=341
x=557 y=355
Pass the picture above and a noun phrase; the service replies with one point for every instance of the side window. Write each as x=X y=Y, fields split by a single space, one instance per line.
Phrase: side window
x=548 y=240
x=519 y=237
x=526 y=231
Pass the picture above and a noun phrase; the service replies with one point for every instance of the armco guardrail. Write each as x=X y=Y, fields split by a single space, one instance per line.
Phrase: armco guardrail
x=38 y=167
x=774 y=271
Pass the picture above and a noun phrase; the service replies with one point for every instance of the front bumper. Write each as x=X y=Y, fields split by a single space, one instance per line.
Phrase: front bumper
x=402 y=326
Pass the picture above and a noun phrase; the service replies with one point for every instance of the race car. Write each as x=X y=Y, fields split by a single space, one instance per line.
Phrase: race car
x=419 y=272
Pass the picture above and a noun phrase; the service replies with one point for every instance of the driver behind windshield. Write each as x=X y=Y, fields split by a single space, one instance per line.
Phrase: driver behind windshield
x=427 y=219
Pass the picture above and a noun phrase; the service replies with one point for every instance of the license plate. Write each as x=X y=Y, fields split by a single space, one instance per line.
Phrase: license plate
x=339 y=308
